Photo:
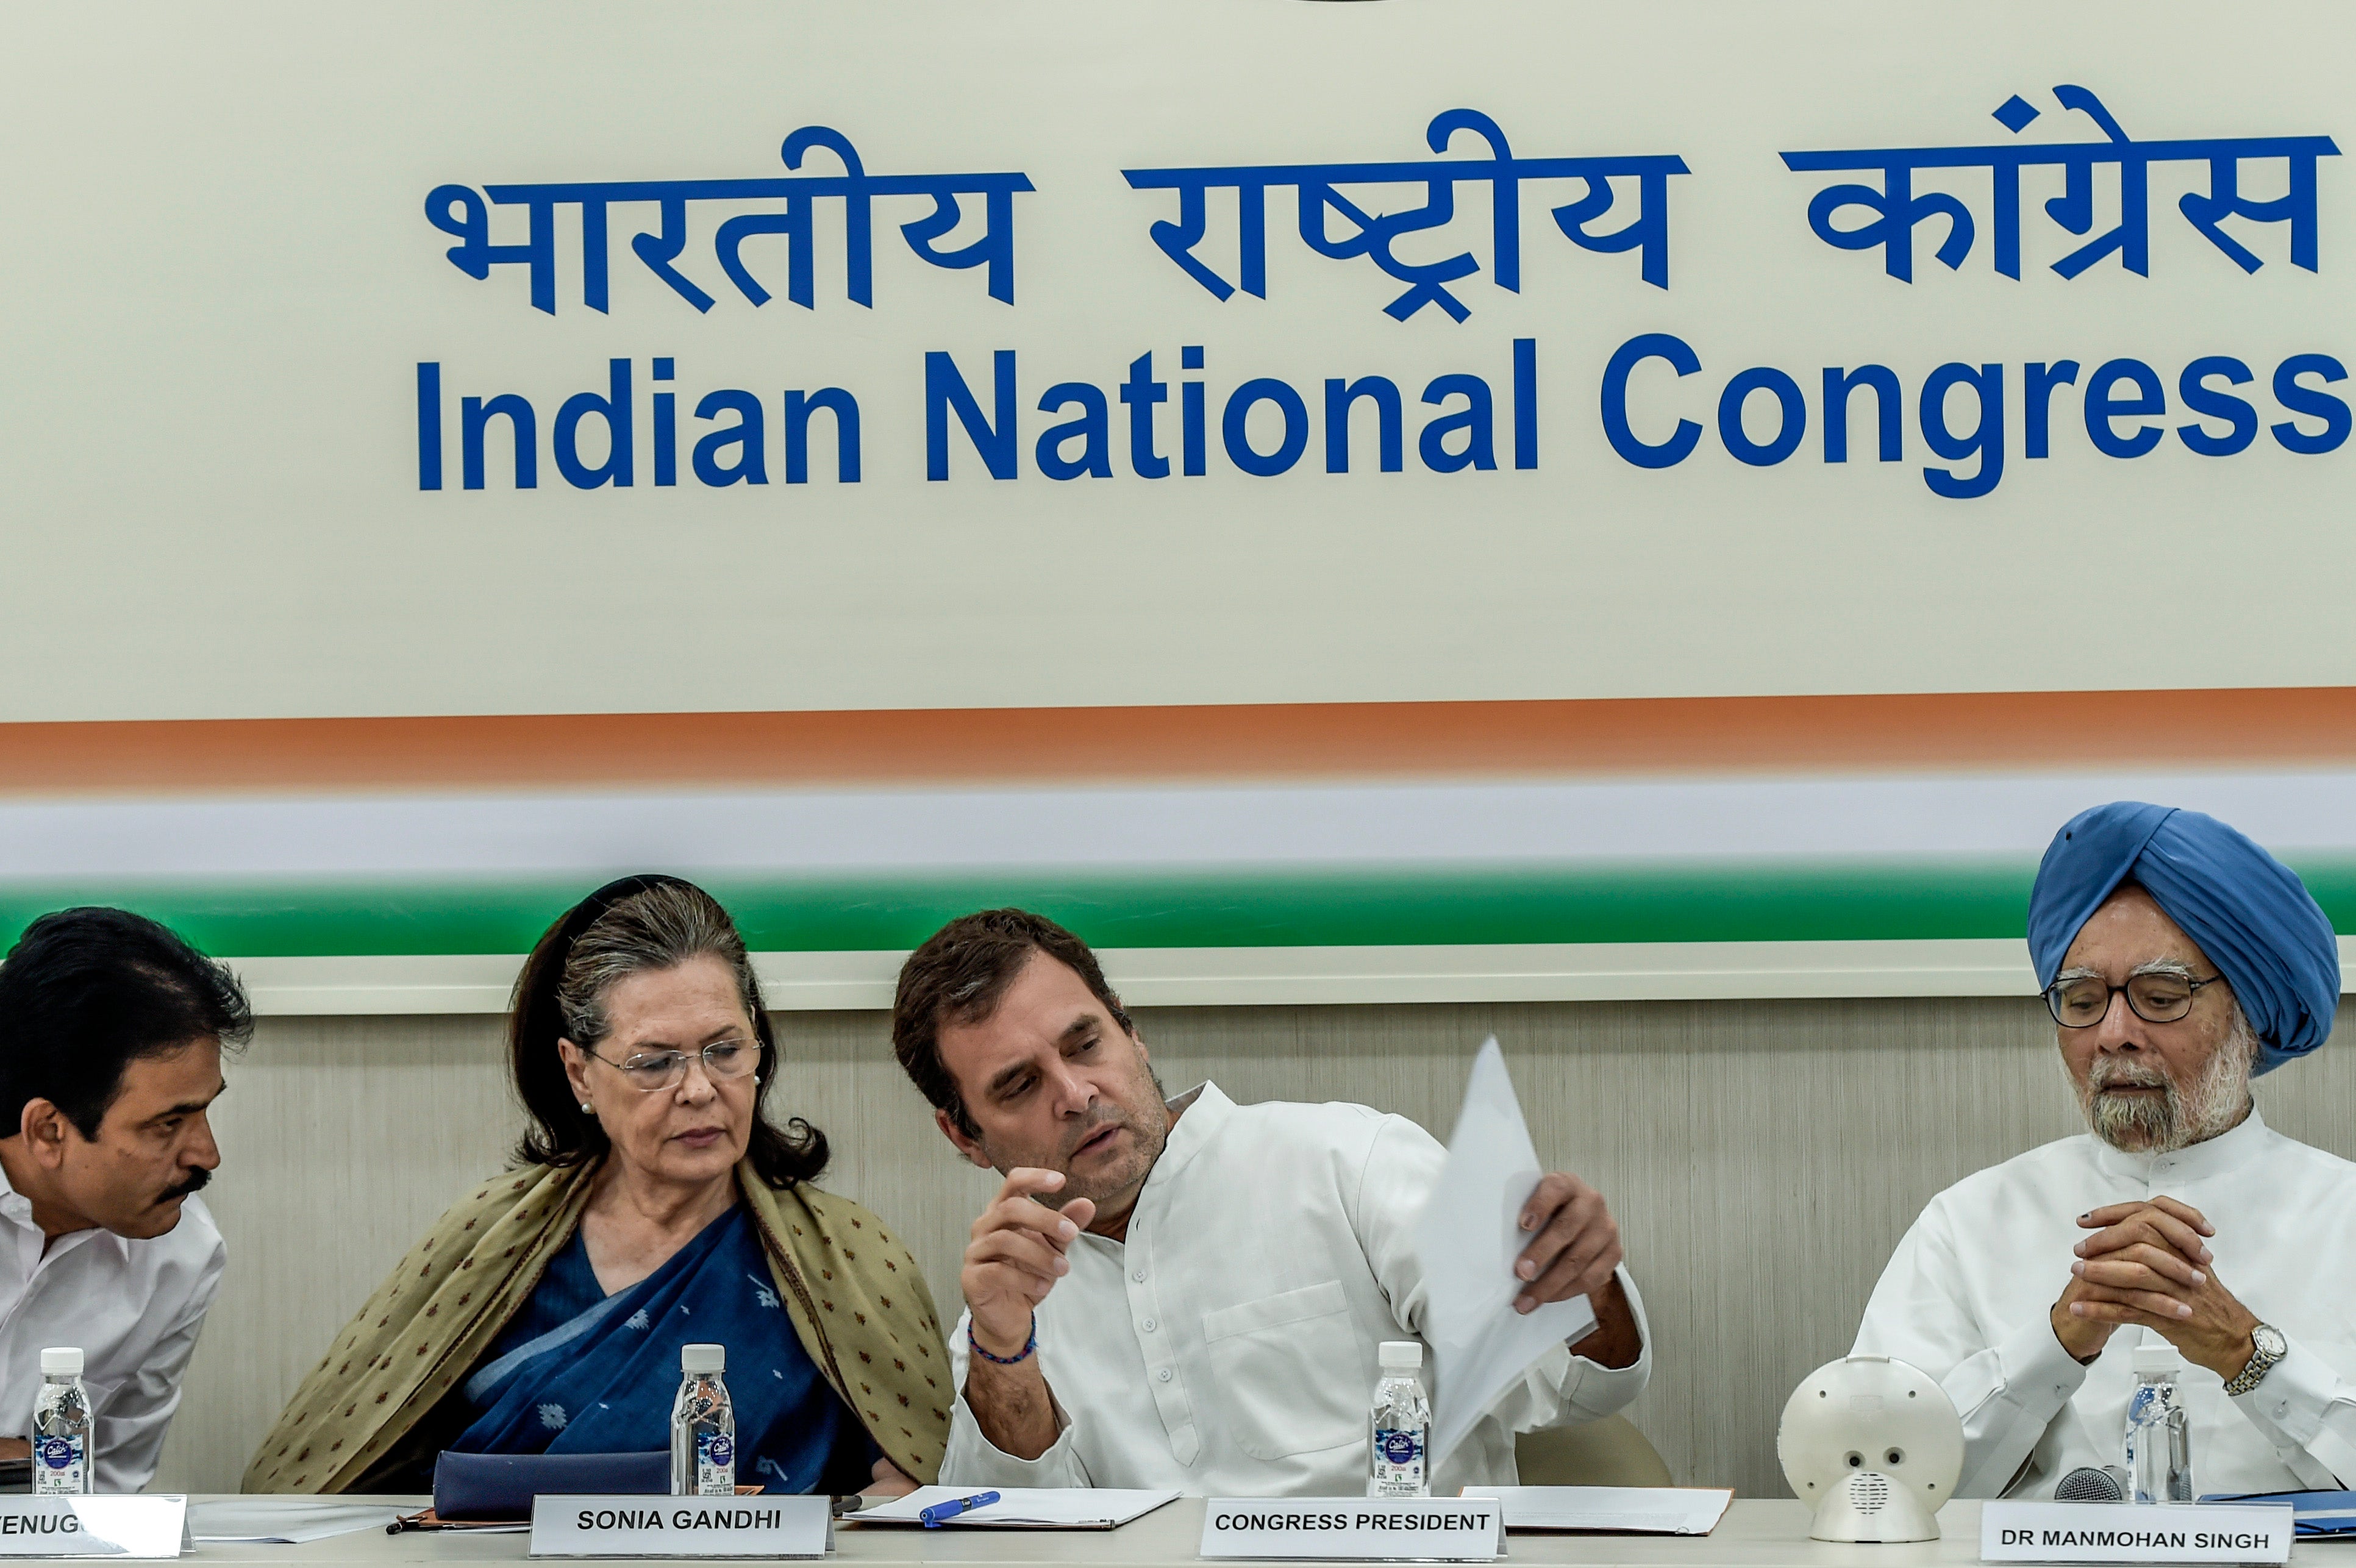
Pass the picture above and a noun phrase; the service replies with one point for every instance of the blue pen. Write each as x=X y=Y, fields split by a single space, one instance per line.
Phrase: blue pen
x=940 y=1514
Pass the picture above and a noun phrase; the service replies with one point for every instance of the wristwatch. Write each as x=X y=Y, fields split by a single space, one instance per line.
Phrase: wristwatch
x=2267 y=1346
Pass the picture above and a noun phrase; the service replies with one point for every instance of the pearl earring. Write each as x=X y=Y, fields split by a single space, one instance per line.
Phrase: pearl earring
x=586 y=1110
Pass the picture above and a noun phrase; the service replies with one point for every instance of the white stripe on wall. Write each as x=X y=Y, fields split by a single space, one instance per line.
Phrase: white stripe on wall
x=491 y=835
x=1148 y=976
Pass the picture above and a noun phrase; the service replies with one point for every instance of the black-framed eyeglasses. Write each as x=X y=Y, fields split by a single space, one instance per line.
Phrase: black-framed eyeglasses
x=2157 y=997
x=651 y=1072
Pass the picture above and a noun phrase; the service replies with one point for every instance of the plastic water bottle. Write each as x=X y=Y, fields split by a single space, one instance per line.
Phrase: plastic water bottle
x=2159 y=1434
x=702 y=1427
x=1400 y=1426
x=62 y=1460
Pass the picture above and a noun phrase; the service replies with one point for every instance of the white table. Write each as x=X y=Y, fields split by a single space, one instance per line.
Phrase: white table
x=1754 y=1534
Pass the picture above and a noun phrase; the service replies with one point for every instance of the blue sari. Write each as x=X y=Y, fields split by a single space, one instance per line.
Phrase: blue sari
x=580 y=1372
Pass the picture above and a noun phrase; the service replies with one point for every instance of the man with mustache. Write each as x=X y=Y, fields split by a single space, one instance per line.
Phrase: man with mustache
x=1187 y=1292
x=2178 y=959
x=111 y=1037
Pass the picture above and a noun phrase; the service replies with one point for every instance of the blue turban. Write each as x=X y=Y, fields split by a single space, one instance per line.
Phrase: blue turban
x=2249 y=913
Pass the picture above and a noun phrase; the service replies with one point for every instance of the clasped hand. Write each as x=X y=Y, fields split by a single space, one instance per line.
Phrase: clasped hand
x=2148 y=1264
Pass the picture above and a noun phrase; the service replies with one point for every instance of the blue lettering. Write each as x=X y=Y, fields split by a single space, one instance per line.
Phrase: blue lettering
x=474 y=413
x=1140 y=392
x=612 y=409
x=429 y=425
x=945 y=391
x=1794 y=410
x=1095 y=459
x=2036 y=384
x=1624 y=359
x=2241 y=419
x=1233 y=426
x=751 y=466
x=1473 y=419
x=2312 y=401
x=1986 y=438
x=845 y=409
x=1839 y=385
x=1340 y=398
x=2103 y=406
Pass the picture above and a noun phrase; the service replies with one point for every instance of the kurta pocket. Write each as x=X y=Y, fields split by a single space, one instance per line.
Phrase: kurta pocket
x=1287 y=1371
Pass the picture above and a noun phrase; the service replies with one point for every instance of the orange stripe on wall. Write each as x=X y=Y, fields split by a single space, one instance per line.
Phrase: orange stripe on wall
x=1970 y=730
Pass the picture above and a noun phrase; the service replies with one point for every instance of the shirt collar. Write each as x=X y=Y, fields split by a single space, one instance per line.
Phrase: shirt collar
x=14 y=1205
x=2220 y=1155
x=1206 y=1110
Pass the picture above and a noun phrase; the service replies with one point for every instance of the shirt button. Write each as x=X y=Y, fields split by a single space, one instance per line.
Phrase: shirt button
x=1147 y=1324
x=1138 y=1275
x=1164 y=1374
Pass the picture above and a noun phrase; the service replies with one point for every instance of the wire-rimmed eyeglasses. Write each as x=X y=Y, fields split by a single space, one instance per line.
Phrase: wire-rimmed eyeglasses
x=651 y=1072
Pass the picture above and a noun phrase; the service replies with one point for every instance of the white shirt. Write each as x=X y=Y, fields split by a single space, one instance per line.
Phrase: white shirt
x=134 y=1306
x=1227 y=1348
x=1968 y=1294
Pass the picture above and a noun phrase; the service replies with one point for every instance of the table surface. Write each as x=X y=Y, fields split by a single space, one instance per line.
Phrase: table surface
x=1755 y=1533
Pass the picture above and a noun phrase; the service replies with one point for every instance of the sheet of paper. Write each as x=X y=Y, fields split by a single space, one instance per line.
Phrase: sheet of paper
x=1026 y=1508
x=287 y=1521
x=1468 y=1238
x=1632 y=1510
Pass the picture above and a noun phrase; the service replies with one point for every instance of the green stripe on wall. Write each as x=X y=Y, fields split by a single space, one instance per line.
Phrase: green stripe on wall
x=1717 y=903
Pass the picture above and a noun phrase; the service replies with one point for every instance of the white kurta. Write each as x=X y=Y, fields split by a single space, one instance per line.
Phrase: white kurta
x=1966 y=1297
x=134 y=1307
x=1227 y=1348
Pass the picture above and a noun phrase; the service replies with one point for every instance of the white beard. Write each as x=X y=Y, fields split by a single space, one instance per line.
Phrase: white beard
x=2183 y=1116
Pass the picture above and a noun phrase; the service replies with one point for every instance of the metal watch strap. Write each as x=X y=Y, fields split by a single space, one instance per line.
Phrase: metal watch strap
x=2262 y=1360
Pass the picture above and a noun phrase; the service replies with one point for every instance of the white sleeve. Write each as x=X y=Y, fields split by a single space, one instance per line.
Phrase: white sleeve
x=129 y=1424
x=972 y=1460
x=2307 y=1412
x=2008 y=1380
x=1403 y=1165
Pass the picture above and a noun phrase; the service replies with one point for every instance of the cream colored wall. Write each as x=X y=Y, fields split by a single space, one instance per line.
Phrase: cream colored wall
x=1762 y=1157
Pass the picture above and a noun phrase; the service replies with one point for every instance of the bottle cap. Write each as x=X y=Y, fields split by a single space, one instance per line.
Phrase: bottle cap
x=2160 y=1358
x=62 y=1359
x=1401 y=1355
x=704 y=1357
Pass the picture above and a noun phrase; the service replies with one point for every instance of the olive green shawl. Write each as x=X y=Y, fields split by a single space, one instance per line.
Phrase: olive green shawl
x=854 y=1295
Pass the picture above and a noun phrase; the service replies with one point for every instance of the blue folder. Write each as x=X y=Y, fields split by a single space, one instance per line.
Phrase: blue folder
x=2315 y=1516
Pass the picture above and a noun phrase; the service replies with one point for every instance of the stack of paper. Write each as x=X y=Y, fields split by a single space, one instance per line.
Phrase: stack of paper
x=1626 y=1510
x=284 y=1521
x=1025 y=1508
x=1468 y=1238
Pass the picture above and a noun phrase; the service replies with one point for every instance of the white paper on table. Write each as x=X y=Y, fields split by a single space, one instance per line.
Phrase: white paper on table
x=284 y=1521
x=1467 y=1239
x=1626 y=1510
x=1026 y=1508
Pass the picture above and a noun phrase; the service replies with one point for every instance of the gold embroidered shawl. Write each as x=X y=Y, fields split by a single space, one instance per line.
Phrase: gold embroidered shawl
x=855 y=1297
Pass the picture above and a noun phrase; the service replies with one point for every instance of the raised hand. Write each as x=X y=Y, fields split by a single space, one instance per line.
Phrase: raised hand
x=1016 y=1256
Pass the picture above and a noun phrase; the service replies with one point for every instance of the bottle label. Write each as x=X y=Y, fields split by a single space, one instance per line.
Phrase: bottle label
x=715 y=1464
x=59 y=1465
x=1398 y=1461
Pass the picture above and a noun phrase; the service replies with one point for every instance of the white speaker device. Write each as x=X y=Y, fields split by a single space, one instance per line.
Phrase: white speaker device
x=1875 y=1446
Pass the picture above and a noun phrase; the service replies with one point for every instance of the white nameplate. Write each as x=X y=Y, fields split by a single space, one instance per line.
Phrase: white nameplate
x=753 y=1526
x=2134 y=1533
x=97 y=1525
x=1357 y=1529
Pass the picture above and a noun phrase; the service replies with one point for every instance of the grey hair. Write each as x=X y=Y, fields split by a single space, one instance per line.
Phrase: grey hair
x=669 y=924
